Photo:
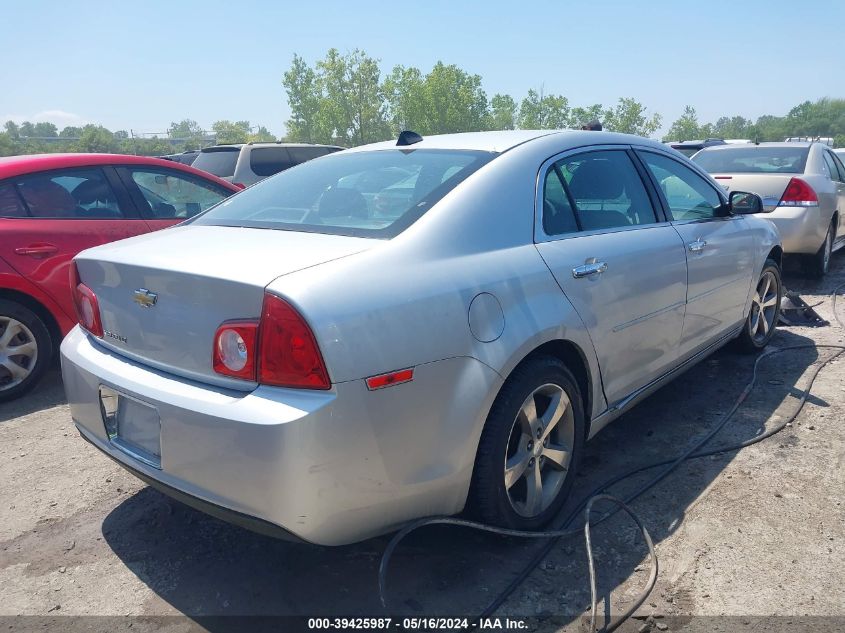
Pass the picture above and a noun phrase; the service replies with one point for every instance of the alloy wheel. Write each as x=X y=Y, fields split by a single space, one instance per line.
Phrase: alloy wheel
x=539 y=450
x=18 y=352
x=764 y=305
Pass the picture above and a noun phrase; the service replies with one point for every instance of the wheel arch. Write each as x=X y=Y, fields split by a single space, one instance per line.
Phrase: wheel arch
x=776 y=254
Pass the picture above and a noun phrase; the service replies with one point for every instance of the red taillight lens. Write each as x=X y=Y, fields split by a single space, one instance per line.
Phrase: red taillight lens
x=288 y=355
x=85 y=301
x=234 y=349
x=799 y=194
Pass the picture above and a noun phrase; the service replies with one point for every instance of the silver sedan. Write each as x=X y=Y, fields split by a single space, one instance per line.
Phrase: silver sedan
x=802 y=185
x=412 y=328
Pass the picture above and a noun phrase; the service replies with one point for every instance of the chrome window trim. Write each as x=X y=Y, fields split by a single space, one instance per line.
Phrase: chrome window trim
x=540 y=235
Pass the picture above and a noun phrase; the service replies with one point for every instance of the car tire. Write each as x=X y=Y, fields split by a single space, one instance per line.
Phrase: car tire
x=499 y=494
x=761 y=323
x=26 y=349
x=817 y=265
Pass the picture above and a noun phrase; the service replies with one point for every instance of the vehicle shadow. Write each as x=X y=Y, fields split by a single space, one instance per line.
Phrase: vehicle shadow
x=204 y=567
x=47 y=393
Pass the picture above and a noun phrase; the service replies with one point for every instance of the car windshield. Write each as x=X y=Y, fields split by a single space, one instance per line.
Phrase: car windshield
x=365 y=194
x=218 y=161
x=757 y=159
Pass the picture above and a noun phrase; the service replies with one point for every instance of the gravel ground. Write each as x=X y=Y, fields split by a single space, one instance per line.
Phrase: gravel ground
x=748 y=535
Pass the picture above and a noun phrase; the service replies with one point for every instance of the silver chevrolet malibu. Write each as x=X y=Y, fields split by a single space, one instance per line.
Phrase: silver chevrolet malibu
x=412 y=328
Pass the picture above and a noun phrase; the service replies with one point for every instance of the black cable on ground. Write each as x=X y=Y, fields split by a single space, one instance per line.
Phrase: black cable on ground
x=562 y=529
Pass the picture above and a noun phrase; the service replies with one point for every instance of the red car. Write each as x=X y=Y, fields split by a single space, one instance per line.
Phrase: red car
x=53 y=206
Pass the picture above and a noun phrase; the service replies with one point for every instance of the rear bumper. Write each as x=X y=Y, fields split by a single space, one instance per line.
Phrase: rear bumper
x=328 y=467
x=802 y=229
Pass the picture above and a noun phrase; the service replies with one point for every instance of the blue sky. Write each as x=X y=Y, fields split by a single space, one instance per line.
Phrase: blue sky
x=130 y=65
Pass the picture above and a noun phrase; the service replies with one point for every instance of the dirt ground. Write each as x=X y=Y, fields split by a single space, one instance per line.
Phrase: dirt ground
x=740 y=538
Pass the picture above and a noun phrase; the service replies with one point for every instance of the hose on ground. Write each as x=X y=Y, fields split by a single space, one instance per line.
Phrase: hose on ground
x=562 y=527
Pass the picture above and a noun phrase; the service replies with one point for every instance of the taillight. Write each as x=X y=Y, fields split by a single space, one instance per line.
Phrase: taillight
x=799 y=194
x=288 y=355
x=234 y=349
x=85 y=301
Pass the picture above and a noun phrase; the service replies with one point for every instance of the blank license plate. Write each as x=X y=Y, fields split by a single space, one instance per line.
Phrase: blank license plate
x=132 y=426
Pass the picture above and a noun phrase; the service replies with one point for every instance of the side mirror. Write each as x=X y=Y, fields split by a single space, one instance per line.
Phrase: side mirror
x=744 y=203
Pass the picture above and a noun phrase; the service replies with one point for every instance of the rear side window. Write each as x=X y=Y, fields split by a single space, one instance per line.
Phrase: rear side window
x=756 y=159
x=71 y=193
x=606 y=189
x=268 y=161
x=220 y=161
x=10 y=202
x=832 y=169
x=302 y=154
x=558 y=215
x=170 y=194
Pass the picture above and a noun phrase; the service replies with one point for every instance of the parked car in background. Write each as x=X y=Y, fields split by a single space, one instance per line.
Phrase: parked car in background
x=54 y=205
x=408 y=328
x=802 y=186
x=688 y=148
x=247 y=163
x=185 y=158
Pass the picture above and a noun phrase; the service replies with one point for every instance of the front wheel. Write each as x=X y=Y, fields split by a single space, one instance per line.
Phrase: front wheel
x=530 y=448
x=765 y=309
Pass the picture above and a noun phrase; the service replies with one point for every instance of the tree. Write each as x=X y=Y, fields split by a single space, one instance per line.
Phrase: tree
x=503 y=112
x=13 y=130
x=96 y=138
x=304 y=97
x=71 y=131
x=229 y=132
x=543 y=112
x=45 y=130
x=405 y=92
x=456 y=101
x=8 y=147
x=686 y=127
x=732 y=127
x=27 y=128
x=629 y=117
x=262 y=135
x=353 y=105
x=581 y=116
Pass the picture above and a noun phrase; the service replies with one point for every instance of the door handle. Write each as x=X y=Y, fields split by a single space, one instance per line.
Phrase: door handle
x=37 y=250
x=591 y=268
x=697 y=246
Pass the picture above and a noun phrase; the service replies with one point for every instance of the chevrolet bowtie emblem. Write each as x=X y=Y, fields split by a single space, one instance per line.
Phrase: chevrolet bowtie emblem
x=144 y=298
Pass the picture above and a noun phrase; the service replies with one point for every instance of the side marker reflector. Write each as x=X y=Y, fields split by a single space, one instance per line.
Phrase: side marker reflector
x=390 y=379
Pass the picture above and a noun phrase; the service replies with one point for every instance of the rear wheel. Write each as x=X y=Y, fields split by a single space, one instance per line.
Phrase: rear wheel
x=530 y=447
x=819 y=264
x=25 y=349
x=765 y=309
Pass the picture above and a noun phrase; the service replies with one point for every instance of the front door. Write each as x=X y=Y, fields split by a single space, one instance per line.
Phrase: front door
x=621 y=267
x=719 y=248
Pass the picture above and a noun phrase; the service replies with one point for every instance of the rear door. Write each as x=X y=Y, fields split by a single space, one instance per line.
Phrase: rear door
x=58 y=214
x=169 y=196
x=719 y=249
x=622 y=267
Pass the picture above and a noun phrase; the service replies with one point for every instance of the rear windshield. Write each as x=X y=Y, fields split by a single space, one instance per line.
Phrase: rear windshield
x=365 y=194
x=688 y=151
x=218 y=161
x=756 y=159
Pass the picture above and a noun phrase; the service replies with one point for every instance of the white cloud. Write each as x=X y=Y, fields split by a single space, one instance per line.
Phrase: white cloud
x=59 y=118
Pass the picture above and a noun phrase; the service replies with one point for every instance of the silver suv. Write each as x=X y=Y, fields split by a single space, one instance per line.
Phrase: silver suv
x=247 y=163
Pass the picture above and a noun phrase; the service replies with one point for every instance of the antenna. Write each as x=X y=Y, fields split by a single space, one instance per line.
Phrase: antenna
x=408 y=137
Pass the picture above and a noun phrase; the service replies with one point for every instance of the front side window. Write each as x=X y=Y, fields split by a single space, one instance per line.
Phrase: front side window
x=170 y=194
x=606 y=189
x=558 y=215
x=689 y=196
x=71 y=193
x=367 y=194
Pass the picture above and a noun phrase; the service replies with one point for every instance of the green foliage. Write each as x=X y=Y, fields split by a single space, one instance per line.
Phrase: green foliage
x=503 y=112
x=71 y=132
x=629 y=117
x=12 y=129
x=96 y=138
x=455 y=101
x=231 y=132
x=262 y=135
x=686 y=128
x=8 y=147
x=543 y=112
x=406 y=94
x=305 y=97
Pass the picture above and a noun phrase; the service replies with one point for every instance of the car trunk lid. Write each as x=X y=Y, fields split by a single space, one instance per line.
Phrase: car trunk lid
x=769 y=187
x=162 y=296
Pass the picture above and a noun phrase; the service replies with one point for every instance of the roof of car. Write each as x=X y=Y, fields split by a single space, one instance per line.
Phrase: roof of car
x=264 y=144
x=11 y=166
x=501 y=141
x=735 y=146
